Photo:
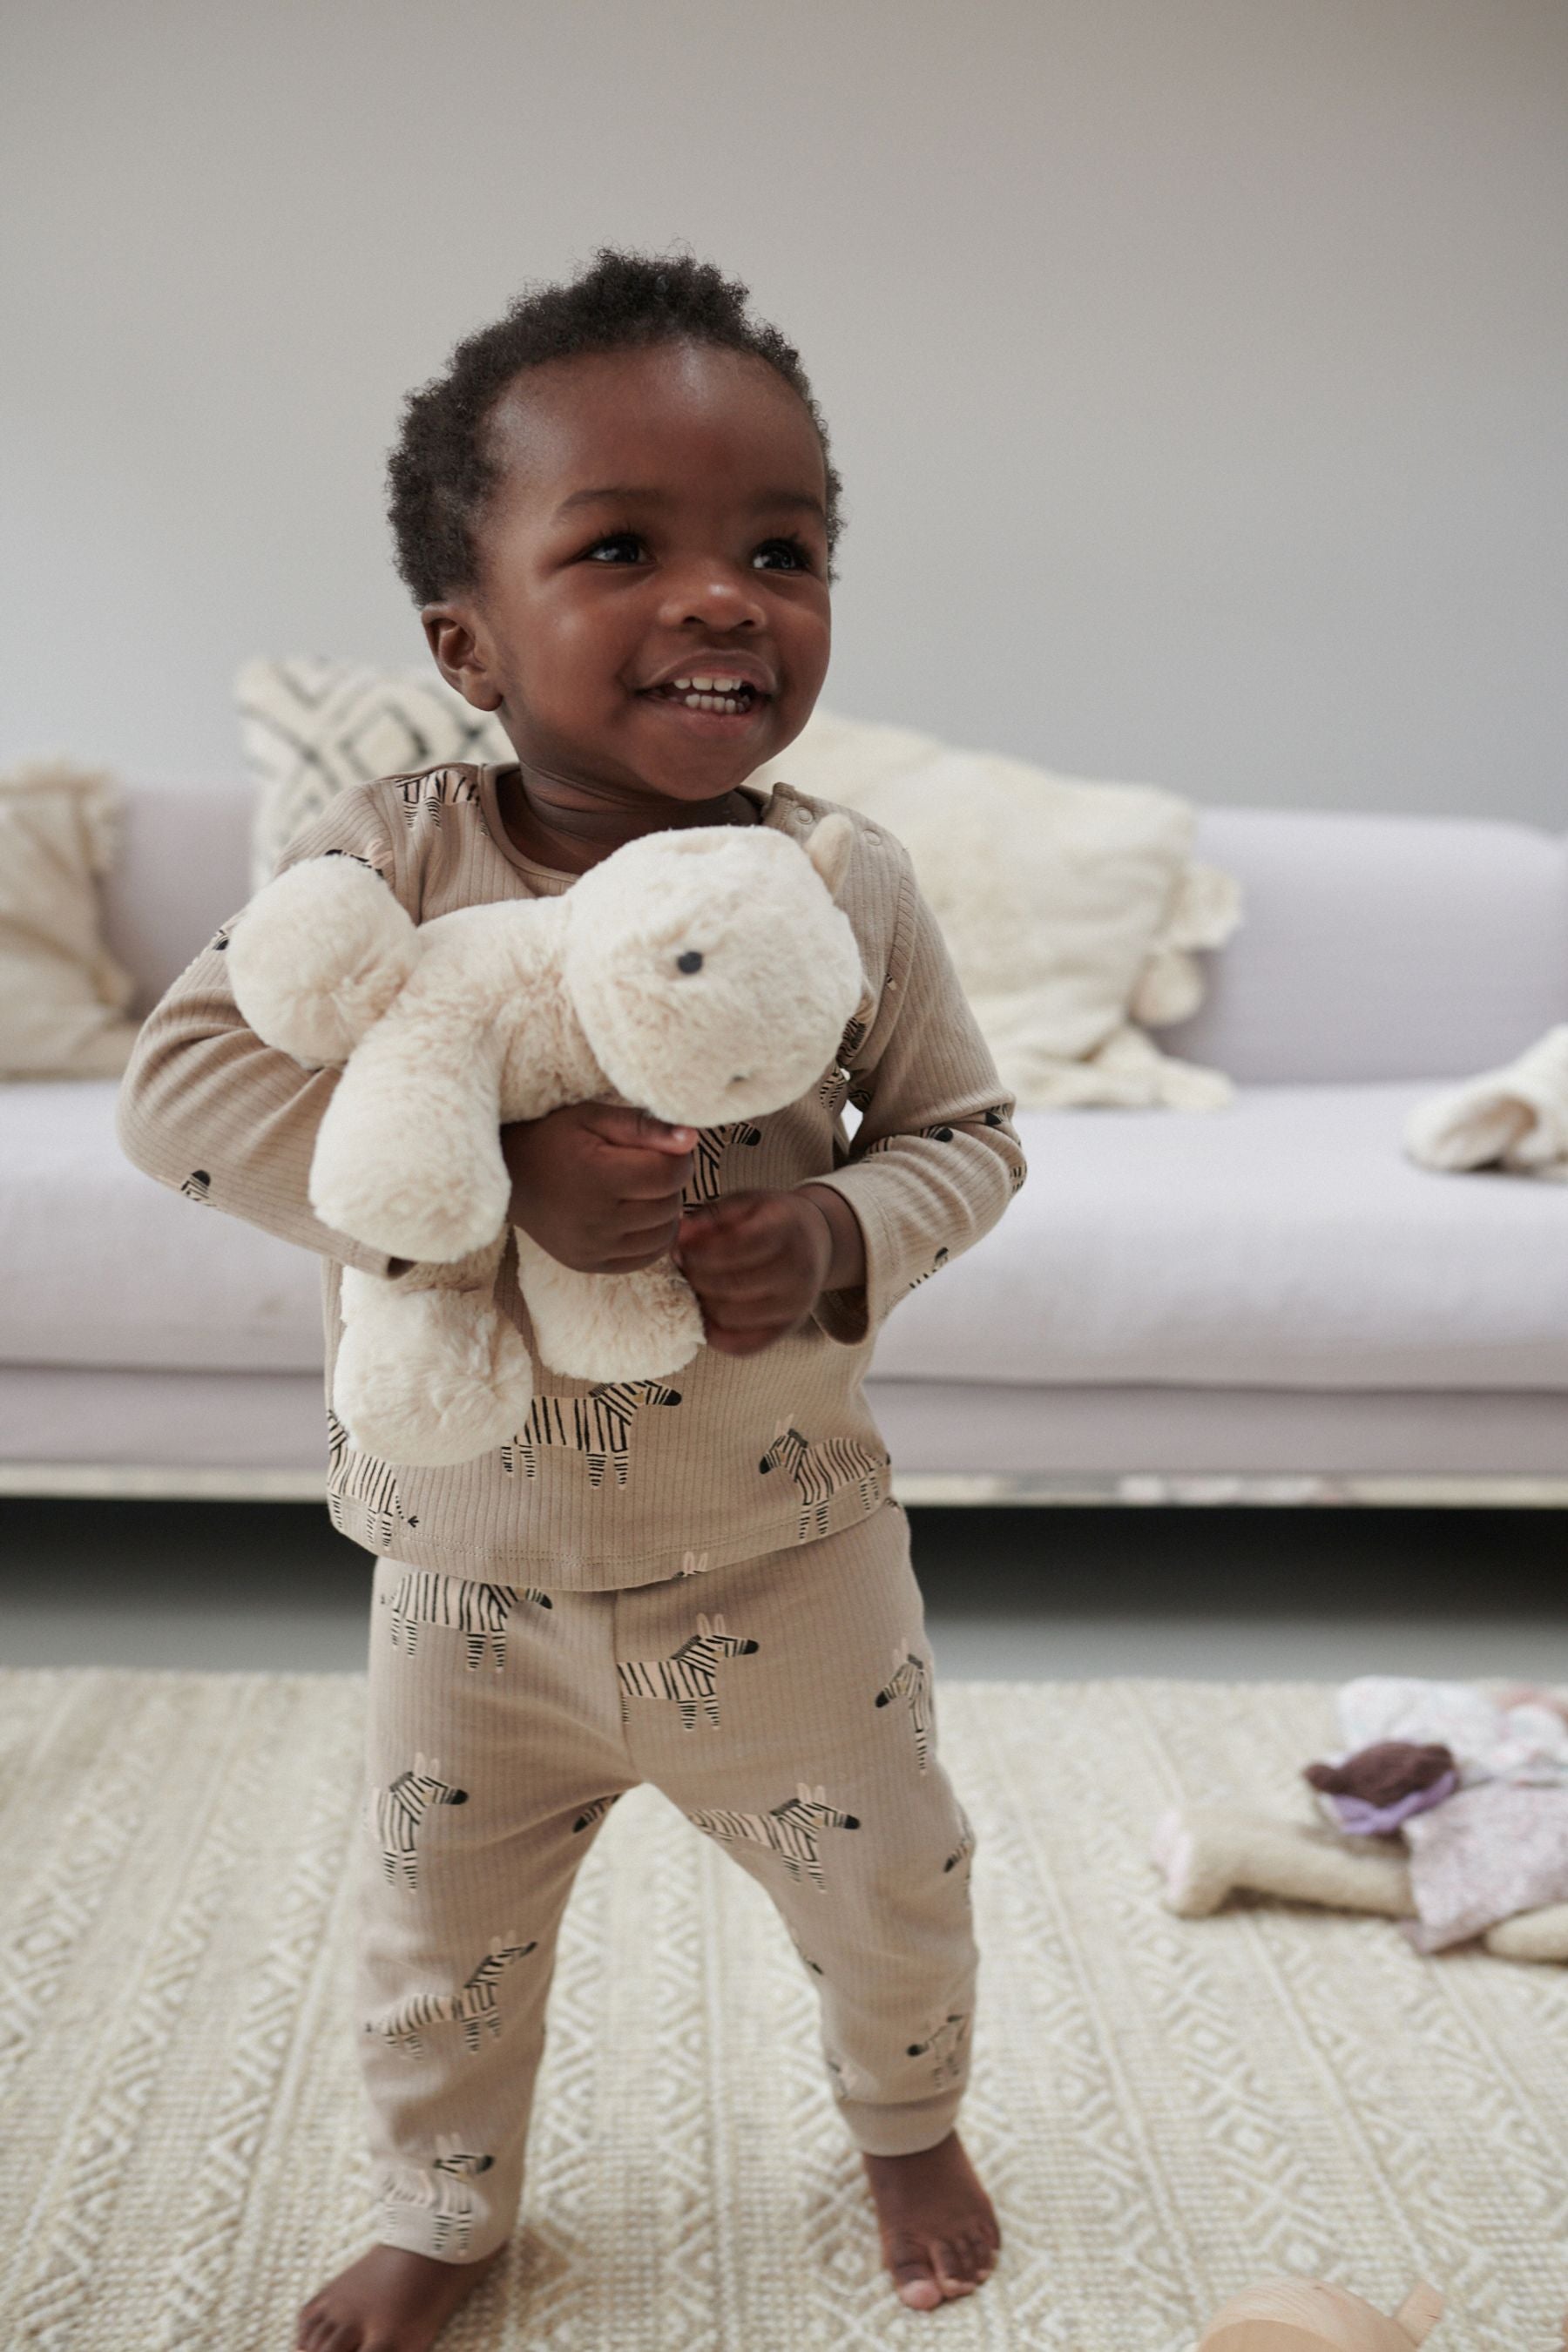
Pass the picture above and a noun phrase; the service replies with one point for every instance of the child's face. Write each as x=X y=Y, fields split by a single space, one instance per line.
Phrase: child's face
x=660 y=509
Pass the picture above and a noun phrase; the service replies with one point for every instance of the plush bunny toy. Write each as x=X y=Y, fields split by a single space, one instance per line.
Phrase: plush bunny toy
x=705 y=974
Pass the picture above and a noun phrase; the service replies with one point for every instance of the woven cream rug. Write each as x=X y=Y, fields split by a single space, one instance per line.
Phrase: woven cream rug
x=1164 y=2111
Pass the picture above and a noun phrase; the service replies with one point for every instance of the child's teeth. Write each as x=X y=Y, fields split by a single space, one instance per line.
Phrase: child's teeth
x=710 y=693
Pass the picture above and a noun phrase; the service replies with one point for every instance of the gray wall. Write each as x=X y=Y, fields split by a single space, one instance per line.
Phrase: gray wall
x=1195 y=367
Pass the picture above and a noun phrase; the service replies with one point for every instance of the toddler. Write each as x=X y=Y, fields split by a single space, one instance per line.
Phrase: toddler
x=617 y=515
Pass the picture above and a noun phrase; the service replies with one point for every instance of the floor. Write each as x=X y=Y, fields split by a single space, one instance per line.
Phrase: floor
x=1031 y=1593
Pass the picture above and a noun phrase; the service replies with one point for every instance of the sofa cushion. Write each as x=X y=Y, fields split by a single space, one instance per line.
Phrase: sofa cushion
x=1081 y=930
x=1286 y=1241
x=1381 y=947
x=312 y=726
x=63 y=997
x=104 y=1266
x=178 y=872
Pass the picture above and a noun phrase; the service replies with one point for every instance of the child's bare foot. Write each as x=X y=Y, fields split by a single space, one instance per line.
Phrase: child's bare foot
x=938 y=2230
x=389 y=2301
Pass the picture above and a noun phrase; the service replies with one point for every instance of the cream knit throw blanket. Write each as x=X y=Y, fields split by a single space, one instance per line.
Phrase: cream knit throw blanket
x=1515 y=1118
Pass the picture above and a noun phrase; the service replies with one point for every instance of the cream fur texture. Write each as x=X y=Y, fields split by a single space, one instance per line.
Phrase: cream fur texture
x=449 y=1030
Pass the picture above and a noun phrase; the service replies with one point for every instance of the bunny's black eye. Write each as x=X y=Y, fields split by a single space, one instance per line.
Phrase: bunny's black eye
x=691 y=961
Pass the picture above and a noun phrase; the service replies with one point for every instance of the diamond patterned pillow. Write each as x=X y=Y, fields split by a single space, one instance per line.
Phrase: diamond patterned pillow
x=310 y=726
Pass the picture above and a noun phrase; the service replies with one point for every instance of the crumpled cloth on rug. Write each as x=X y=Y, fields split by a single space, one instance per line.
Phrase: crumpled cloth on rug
x=1490 y=1852
x=1525 y=1743
x=1514 y=1118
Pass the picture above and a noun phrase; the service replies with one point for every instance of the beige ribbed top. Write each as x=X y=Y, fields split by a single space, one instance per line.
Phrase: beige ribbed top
x=614 y=1484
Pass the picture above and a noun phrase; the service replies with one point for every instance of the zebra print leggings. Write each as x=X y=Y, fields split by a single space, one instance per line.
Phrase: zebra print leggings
x=784 y=1703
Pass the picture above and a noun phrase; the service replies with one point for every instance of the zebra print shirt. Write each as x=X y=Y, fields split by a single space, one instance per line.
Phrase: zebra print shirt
x=620 y=1483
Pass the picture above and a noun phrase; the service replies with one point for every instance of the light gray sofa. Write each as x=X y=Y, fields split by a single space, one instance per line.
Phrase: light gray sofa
x=1265 y=1302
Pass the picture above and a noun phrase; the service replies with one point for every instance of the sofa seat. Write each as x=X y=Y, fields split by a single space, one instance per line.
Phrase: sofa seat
x=1285 y=1243
x=104 y=1267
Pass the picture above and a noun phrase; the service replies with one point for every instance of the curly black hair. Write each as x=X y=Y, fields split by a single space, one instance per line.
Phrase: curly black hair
x=440 y=474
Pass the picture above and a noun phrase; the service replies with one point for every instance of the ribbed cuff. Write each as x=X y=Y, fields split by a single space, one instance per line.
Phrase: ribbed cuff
x=903 y=2130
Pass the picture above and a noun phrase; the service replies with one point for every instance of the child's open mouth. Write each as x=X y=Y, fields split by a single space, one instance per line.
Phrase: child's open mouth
x=707 y=701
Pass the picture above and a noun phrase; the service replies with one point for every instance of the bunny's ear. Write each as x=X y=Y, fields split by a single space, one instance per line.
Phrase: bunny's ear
x=821 y=1794
x=718 y=1624
x=803 y=1792
x=703 y=1627
x=828 y=845
x=420 y=1759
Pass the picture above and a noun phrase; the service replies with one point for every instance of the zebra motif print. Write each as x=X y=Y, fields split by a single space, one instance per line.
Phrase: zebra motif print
x=791 y=1831
x=945 y=2043
x=995 y=1115
x=912 y=1681
x=474 y=2005
x=965 y=1849
x=360 y=1478
x=400 y=1809
x=837 y=1088
x=480 y=1612
x=429 y=794
x=886 y=1142
x=198 y=1186
x=597 y=1425
x=820 y=1467
x=595 y=1812
x=446 y=2197
x=935 y=1267
x=355 y=859
x=849 y=2081
x=705 y=1182
x=687 y=1676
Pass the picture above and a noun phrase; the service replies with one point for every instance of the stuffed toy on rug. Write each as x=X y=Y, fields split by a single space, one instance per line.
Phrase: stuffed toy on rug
x=704 y=974
x=1208 y=1852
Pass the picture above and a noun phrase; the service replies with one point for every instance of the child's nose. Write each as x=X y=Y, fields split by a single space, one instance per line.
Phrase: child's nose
x=713 y=591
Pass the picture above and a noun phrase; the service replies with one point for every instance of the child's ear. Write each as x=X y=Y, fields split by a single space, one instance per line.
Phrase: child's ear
x=459 y=651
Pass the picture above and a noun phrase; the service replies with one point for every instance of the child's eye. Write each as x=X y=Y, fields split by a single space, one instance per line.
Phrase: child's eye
x=616 y=538
x=797 y=549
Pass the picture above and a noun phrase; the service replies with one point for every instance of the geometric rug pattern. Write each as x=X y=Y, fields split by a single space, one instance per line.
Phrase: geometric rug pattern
x=1164 y=2111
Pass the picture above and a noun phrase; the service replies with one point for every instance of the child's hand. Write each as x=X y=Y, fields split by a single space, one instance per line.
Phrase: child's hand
x=598 y=1184
x=756 y=1261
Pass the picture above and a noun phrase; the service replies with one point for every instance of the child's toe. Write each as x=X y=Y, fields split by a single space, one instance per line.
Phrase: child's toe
x=978 y=2256
x=952 y=2267
x=913 y=2276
